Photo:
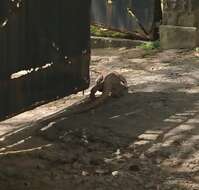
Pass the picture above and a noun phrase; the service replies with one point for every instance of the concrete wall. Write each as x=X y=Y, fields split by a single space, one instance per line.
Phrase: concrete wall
x=180 y=24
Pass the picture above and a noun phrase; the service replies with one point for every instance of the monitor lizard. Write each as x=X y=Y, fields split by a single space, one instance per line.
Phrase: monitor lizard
x=111 y=84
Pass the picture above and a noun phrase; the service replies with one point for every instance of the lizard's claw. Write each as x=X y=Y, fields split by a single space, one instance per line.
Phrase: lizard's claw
x=92 y=96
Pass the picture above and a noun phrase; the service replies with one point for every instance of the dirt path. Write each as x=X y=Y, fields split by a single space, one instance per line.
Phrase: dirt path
x=146 y=140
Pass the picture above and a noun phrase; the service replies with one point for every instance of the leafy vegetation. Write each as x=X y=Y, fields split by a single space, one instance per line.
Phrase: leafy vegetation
x=197 y=49
x=150 y=45
x=104 y=32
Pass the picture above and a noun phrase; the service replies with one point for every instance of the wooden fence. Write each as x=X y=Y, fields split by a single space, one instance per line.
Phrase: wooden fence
x=44 y=51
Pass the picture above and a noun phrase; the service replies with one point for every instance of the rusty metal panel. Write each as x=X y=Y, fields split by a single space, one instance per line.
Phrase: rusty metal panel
x=132 y=16
x=44 y=51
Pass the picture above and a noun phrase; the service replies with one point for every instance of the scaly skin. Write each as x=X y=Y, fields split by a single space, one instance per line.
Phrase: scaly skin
x=110 y=84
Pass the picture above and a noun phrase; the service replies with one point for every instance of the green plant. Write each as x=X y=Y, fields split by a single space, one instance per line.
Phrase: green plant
x=104 y=32
x=150 y=45
x=197 y=49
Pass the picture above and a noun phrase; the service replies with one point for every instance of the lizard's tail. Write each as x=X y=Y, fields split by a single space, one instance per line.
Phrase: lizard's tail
x=78 y=108
x=91 y=105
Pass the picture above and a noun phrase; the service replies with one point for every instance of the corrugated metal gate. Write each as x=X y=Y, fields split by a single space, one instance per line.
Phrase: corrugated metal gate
x=44 y=51
x=132 y=16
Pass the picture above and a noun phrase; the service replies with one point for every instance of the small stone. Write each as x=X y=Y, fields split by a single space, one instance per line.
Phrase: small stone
x=101 y=171
x=117 y=152
x=85 y=173
x=115 y=173
x=108 y=160
x=128 y=155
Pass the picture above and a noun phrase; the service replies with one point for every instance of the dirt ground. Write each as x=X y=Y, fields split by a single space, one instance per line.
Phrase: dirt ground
x=145 y=140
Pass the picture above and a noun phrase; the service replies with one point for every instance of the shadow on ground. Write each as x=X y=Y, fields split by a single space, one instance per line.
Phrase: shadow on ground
x=147 y=140
x=131 y=141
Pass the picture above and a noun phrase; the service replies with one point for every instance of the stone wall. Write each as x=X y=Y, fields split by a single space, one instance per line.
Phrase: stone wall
x=180 y=24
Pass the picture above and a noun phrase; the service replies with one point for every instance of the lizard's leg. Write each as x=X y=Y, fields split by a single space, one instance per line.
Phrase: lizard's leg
x=105 y=94
x=99 y=79
x=107 y=87
x=97 y=87
x=93 y=91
